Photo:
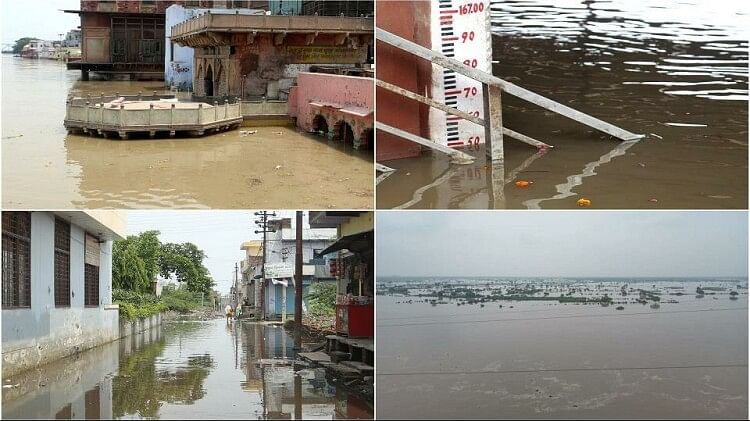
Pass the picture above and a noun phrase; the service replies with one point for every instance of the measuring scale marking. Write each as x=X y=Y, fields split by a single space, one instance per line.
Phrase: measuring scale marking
x=464 y=35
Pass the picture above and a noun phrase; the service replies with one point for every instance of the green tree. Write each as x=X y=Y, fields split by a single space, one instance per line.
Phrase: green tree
x=184 y=263
x=135 y=261
x=128 y=269
x=139 y=259
x=20 y=43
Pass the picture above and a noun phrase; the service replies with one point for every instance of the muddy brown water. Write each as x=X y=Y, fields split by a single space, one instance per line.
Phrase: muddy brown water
x=183 y=370
x=550 y=360
x=43 y=167
x=675 y=71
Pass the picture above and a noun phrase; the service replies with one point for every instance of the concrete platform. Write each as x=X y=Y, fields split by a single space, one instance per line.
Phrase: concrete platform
x=364 y=369
x=315 y=357
x=123 y=116
x=342 y=371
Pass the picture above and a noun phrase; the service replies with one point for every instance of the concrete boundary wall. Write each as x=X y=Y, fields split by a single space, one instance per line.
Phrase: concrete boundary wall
x=131 y=327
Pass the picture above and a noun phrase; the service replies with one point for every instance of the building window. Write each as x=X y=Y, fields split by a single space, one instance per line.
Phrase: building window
x=66 y=413
x=91 y=271
x=62 y=263
x=16 y=260
x=93 y=403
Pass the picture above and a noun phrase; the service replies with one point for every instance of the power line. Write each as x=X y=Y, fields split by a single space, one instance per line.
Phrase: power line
x=559 y=317
x=559 y=370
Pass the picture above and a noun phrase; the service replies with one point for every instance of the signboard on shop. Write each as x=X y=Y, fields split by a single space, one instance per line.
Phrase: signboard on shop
x=279 y=270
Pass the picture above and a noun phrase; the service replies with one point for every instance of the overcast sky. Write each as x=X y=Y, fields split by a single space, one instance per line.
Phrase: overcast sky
x=218 y=233
x=561 y=244
x=37 y=18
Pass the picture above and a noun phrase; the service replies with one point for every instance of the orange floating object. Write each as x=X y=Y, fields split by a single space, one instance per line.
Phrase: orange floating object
x=584 y=203
x=522 y=183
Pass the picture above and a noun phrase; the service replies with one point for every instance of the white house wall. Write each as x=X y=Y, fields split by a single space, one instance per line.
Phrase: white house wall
x=43 y=333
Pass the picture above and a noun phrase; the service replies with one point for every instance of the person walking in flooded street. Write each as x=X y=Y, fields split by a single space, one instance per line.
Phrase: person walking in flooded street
x=228 y=312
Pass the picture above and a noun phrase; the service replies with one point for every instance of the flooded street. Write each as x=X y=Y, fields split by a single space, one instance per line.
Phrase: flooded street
x=537 y=357
x=43 y=167
x=183 y=370
x=676 y=74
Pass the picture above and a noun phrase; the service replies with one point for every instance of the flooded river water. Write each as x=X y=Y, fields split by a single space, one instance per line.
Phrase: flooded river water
x=676 y=71
x=684 y=358
x=183 y=370
x=43 y=167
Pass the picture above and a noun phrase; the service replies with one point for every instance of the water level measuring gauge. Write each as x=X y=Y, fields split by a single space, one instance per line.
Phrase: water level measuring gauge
x=460 y=30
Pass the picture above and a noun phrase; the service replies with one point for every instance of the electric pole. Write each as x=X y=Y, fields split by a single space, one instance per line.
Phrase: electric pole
x=263 y=224
x=236 y=285
x=298 y=285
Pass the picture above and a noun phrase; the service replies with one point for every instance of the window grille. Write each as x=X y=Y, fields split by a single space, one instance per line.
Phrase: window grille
x=16 y=283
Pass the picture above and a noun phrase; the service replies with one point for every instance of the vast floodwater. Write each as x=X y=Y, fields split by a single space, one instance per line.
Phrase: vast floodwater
x=542 y=359
x=43 y=167
x=676 y=71
x=183 y=370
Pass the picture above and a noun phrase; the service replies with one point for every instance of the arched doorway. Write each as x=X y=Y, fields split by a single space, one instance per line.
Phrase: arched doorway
x=208 y=82
x=367 y=141
x=320 y=125
x=344 y=132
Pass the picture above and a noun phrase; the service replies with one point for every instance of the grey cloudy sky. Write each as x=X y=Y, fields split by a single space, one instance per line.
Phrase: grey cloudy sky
x=37 y=18
x=562 y=244
x=218 y=233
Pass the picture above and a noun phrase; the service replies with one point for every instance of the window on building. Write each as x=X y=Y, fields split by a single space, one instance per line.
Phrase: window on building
x=66 y=413
x=16 y=259
x=91 y=271
x=62 y=263
x=93 y=403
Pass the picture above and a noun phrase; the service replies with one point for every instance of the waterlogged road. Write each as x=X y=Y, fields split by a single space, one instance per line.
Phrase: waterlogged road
x=43 y=167
x=676 y=71
x=184 y=370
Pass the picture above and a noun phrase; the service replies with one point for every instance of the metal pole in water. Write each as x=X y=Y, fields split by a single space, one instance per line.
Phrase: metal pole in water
x=298 y=285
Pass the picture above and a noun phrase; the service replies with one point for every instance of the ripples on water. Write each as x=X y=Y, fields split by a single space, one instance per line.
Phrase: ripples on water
x=698 y=48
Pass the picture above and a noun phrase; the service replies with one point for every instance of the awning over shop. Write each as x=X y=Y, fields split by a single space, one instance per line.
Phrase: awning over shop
x=357 y=243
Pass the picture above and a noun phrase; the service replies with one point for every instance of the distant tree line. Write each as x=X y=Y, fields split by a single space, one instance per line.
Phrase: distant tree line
x=20 y=43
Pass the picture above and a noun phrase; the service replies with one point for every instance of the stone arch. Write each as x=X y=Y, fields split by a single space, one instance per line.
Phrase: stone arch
x=218 y=85
x=198 y=78
x=342 y=131
x=208 y=81
x=319 y=124
x=367 y=139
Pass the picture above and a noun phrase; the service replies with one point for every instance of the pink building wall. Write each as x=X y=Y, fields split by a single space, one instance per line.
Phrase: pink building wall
x=339 y=92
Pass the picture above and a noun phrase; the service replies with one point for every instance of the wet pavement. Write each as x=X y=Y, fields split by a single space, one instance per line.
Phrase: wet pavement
x=43 y=167
x=685 y=358
x=674 y=71
x=184 y=370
